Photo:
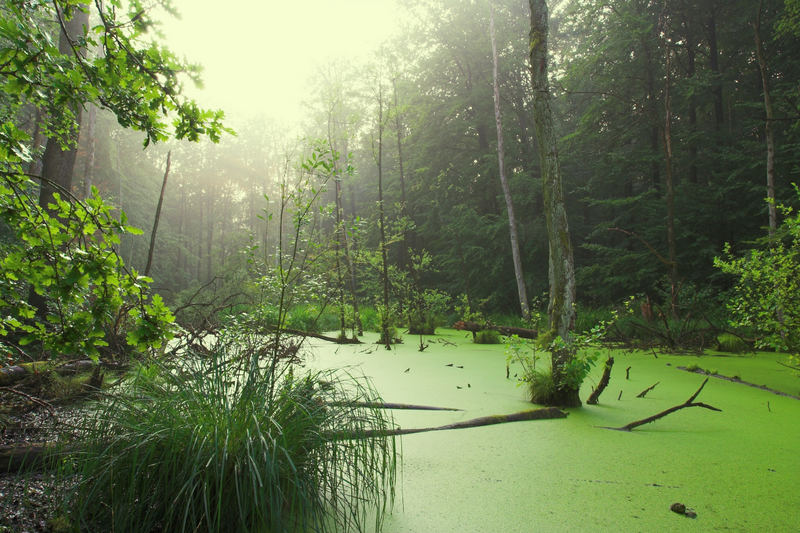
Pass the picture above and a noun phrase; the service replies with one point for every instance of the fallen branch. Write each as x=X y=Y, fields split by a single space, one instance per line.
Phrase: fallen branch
x=545 y=413
x=648 y=389
x=389 y=405
x=30 y=398
x=688 y=403
x=736 y=379
x=788 y=366
x=601 y=386
x=474 y=327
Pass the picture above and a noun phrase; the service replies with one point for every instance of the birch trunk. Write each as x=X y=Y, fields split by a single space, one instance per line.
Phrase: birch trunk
x=561 y=267
x=512 y=222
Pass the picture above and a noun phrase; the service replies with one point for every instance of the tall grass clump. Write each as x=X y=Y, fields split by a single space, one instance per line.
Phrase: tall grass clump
x=230 y=443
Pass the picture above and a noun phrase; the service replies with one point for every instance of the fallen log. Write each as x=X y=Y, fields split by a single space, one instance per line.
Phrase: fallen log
x=14 y=373
x=27 y=457
x=688 y=403
x=389 y=405
x=546 y=413
x=474 y=327
x=301 y=333
x=601 y=386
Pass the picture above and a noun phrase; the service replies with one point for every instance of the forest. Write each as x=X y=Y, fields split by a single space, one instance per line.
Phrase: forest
x=519 y=228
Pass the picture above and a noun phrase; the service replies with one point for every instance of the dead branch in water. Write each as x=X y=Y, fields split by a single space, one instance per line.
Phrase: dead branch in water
x=688 y=403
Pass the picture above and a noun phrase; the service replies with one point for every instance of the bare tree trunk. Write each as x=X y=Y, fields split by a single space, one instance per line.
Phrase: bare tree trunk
x=561 y=308
x=198 y=265
x=386 y=339
x=351 y=268
x=512 y=222
x=157 y=217
x=209 y=236
x=404 y=259
x=670 y=186
x=770 y=136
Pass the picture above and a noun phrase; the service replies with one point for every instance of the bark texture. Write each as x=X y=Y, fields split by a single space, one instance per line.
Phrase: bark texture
x=561 y=266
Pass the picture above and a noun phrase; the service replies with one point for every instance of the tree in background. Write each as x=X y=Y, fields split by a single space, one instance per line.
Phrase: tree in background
x=765 y=296
x=67 y=253
x=512 y=221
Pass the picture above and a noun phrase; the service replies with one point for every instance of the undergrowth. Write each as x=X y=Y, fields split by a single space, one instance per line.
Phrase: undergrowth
x=229 y=443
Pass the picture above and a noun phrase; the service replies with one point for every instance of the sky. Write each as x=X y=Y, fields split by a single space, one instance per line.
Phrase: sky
x=259 y=55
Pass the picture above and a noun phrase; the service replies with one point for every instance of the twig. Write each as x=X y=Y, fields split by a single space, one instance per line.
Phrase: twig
x=34 y=399
x=648 y=389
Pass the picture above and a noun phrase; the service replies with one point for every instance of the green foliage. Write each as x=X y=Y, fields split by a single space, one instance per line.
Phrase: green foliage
x=67 y=257
x=585 y=349
x=370 y=318
x=536 y=377
x=728 y=342
x=134 y=77
x=487 y=336
x=765 y=296
x=466 y=312
x=207 y=447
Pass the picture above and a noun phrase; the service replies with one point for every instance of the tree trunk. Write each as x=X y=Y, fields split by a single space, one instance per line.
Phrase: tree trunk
x=404 y=260
x=769 y=134
x=58 y=162
x=88 y=166
x=157 y=217
x=209 y=236
x=385 y=339
x=561 y=266
x=713 y=52
x=669 y=184
x=512 y=222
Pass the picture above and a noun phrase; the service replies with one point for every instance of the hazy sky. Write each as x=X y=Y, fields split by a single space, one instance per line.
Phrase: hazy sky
x=258 y=55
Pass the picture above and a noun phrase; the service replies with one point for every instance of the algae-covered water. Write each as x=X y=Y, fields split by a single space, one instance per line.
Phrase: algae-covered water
x=737 y=469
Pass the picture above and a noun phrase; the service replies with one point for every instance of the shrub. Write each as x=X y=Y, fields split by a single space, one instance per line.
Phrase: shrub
x=727 y=342
x=487 y=336
x=767 y=282
x=208 y=448
x=370 y=318
x=304 y=318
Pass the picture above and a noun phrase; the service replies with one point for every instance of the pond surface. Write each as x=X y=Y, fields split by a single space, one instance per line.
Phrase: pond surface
x=737 y=469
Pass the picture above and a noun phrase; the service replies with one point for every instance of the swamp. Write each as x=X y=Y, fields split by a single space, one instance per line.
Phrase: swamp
x=402 y=265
